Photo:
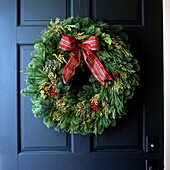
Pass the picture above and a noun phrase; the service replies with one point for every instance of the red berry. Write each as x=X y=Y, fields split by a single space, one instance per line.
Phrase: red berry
x=116 y=74
x=94 y=106
x=53 y=93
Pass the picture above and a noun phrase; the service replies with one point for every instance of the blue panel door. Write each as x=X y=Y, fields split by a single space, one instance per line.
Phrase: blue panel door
x=26 y=143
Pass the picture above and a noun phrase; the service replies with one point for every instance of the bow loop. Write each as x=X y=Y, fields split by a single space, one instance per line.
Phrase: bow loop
x=68 y=43
x=91 y=44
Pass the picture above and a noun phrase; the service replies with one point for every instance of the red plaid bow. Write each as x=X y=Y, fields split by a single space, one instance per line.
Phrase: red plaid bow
x=91 y=44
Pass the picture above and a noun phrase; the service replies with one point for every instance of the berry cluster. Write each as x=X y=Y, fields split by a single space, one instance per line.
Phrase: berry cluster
x=116 y=74
x=53 y=93
x=94 y=106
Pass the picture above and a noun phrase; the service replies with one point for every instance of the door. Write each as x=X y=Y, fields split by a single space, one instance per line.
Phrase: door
x=136 y=143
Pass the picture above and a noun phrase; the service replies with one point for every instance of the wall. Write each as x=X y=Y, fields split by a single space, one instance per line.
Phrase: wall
x=166 y=30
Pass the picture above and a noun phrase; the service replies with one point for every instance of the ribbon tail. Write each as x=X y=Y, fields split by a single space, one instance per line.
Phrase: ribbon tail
x=95 y=66
x=69 y=68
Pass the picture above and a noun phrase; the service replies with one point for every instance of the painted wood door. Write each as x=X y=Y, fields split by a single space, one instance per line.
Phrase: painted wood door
x=26 y=144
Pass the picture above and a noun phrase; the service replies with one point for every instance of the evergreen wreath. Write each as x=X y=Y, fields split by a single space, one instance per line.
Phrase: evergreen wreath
x=81 y=75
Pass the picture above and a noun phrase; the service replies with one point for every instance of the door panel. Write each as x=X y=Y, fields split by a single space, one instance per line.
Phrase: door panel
x=32 y=145
x=38 y=12
x=124 y=12
x=34 y=136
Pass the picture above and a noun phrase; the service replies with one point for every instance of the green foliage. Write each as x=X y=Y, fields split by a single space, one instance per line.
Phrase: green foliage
x=69 y=107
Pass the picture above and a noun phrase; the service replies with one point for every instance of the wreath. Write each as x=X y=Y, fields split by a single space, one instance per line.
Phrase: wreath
x=81 y=75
